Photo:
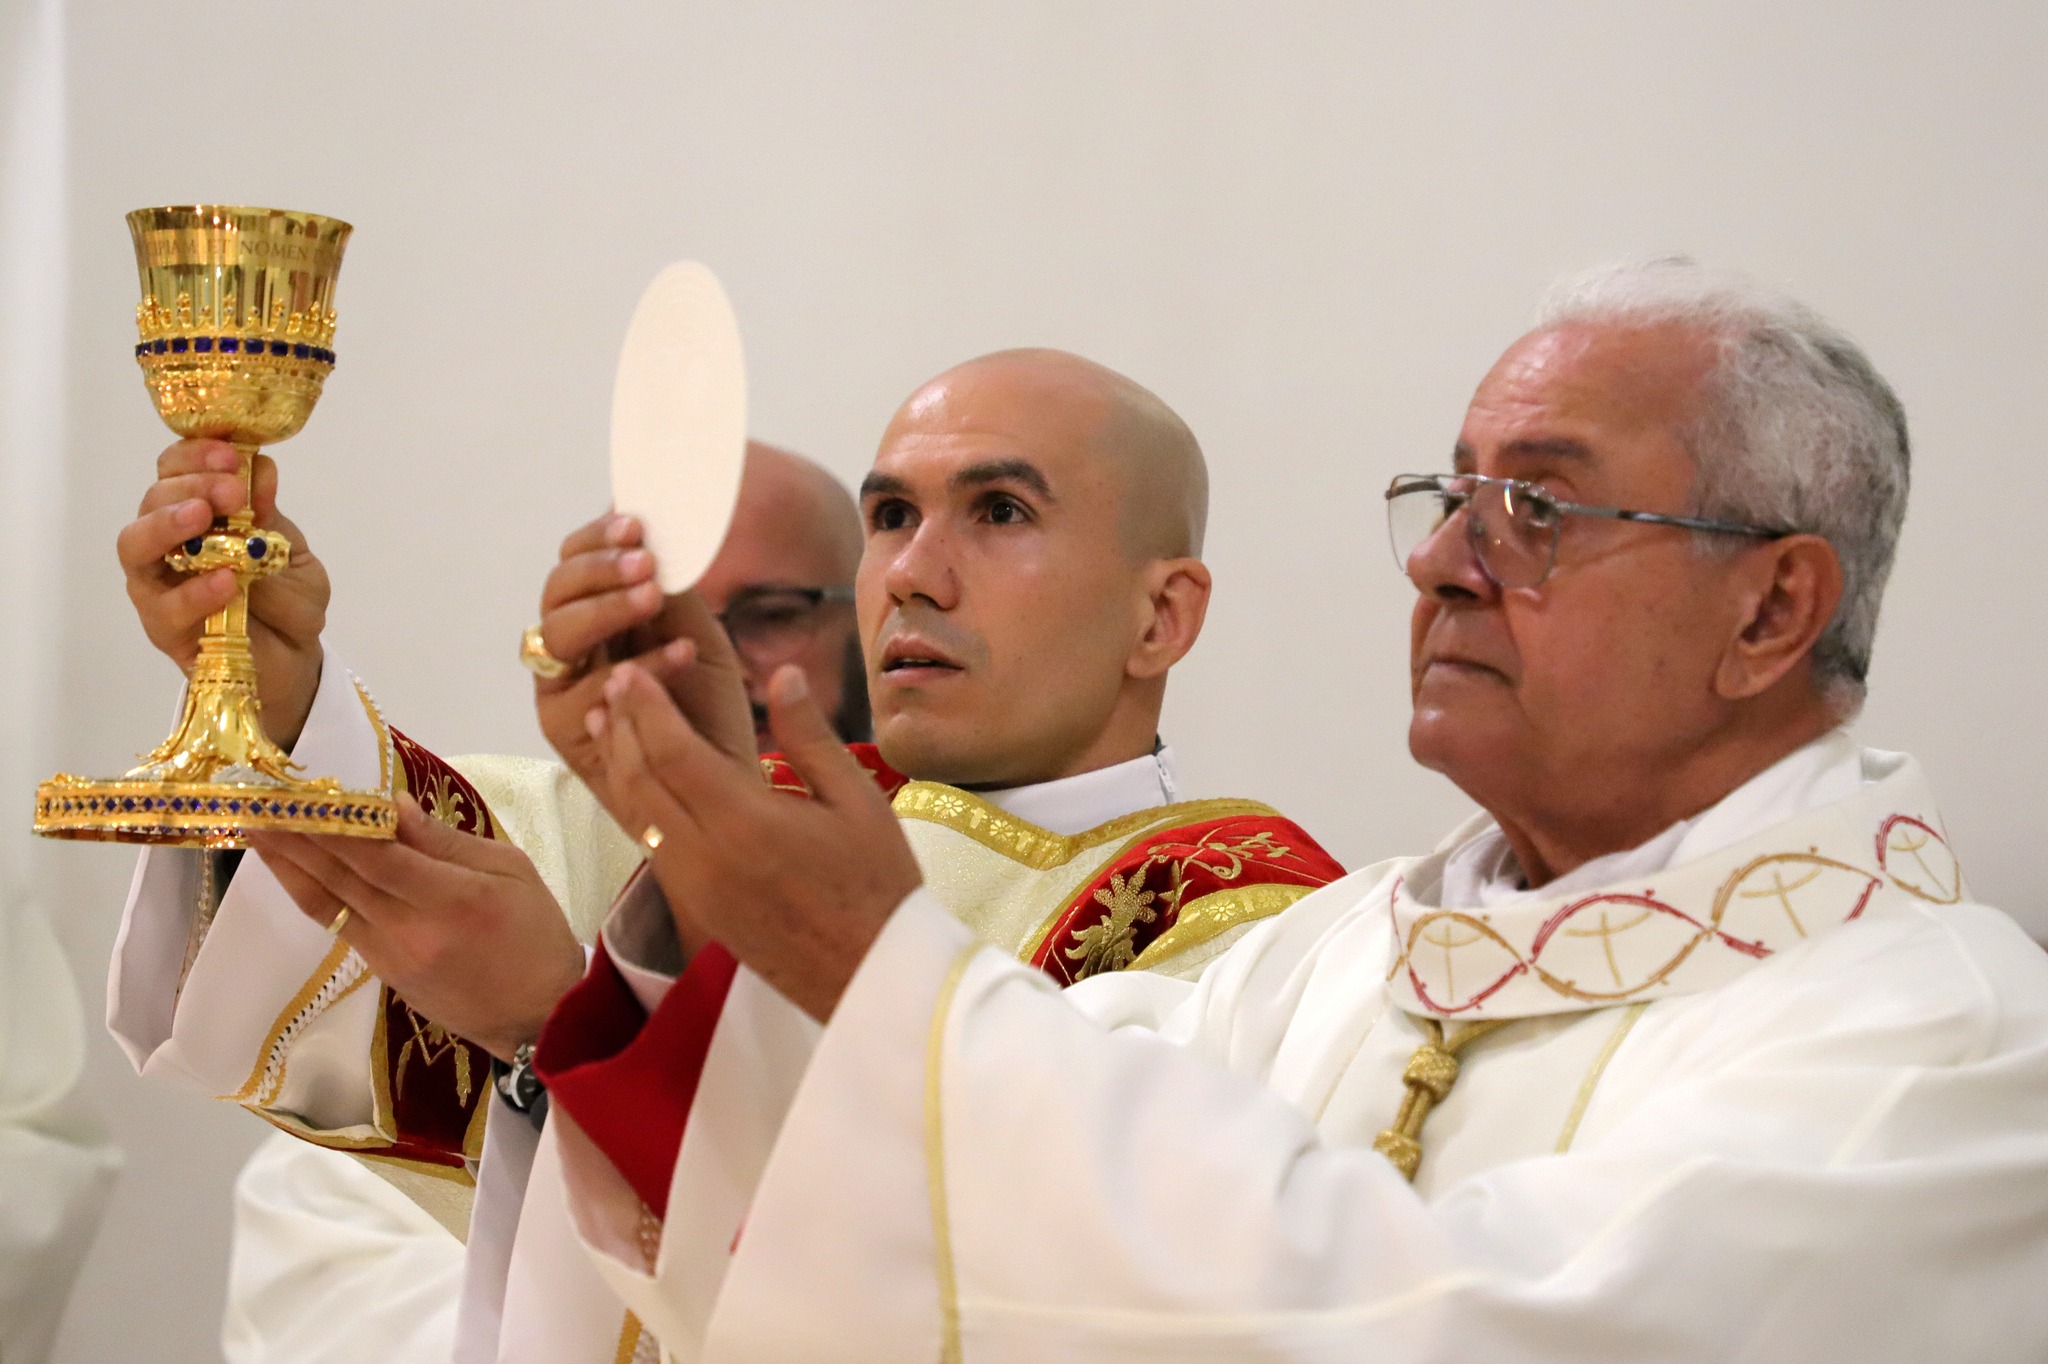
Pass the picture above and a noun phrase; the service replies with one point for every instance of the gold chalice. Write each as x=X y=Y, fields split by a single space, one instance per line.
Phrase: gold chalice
x=237 y=333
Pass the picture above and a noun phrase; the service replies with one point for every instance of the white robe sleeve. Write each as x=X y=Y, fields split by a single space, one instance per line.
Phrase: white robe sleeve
x=332 y=1265
x=267 y=982
x=56 y=1166
x=1846 y=1161
x=278 y=1016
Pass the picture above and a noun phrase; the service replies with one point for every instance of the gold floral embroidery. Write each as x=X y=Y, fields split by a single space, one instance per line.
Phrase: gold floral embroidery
x=434 y=1042
x=449 y=803
x=1108 y=944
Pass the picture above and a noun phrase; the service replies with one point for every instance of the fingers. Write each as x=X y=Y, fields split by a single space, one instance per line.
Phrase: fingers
x=608 y=531
x=442 y=843
x=576 y=629
x=649 y=804
x=175 y=611
x=599 y=571
x=209 y=470
x=263 y=489
x=644 y=721
x=809 y=743
x=195 y=456
x=320 y=904
x=143 y=542
x=312 y=858
x=425 y=867
x=314 y=889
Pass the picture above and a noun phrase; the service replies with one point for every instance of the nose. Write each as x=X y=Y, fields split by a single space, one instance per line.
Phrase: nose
x=923 y=566
x=1446 y=564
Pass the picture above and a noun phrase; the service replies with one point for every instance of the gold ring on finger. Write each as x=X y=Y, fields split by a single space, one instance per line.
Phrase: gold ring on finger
x=334 y=925
x=533 y=653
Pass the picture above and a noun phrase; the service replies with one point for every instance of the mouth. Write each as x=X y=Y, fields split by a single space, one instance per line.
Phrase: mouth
x=908 y=659
x=1462 y=667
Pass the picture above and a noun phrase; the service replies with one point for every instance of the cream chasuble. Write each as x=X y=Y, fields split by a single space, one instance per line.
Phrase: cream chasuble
x=1015 y=867
x=1778 y=1097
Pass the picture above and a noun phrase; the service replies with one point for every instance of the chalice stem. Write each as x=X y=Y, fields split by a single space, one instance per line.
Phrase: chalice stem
x=221 y=728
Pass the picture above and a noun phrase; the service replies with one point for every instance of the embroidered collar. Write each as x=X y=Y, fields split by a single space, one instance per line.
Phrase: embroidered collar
x=1679 y=931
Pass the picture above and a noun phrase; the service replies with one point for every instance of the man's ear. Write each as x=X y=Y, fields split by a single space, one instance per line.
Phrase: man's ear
x=1790 y=589
x=1177 y=597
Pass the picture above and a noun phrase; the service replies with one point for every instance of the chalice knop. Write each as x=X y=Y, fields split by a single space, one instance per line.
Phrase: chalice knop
x=237 y=335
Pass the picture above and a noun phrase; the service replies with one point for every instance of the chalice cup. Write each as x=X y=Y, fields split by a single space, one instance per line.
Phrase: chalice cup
x=237 y=335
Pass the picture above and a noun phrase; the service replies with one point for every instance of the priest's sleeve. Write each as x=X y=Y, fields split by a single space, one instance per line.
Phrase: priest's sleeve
x=231 y=991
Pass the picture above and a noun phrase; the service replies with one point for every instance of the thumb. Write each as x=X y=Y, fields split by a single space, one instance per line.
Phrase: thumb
x=428 y=836
x=808 y=742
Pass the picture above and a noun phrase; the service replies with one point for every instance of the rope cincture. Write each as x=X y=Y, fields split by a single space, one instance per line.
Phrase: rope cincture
x=1430 y=1073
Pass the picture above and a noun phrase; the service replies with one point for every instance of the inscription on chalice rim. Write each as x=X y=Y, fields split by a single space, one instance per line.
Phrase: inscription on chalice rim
x=207 y=246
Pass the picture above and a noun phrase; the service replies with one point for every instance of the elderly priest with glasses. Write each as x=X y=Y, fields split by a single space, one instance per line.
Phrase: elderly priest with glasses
x=1692 y=1046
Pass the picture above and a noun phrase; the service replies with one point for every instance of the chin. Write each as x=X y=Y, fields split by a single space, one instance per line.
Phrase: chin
x=1445 y=741
x=919 y=749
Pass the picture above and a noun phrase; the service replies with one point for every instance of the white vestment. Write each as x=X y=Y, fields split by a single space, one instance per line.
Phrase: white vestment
x=1771 y=1088
x=56 y=1165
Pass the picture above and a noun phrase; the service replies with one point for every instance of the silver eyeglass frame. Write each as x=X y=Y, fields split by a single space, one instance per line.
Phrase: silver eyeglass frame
x=1405 y=485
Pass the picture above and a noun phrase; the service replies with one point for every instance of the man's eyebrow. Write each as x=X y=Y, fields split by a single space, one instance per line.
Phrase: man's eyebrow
x=1548 y=447
x=1004 y=471
x=1464 y=459
x=878 y=485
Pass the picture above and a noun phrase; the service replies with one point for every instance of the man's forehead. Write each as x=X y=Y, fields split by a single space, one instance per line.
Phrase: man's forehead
x=1569 y=389
x=945 y=430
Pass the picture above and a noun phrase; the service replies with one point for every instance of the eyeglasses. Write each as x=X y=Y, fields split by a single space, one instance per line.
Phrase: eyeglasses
x=770 y=626
x=1512 y=526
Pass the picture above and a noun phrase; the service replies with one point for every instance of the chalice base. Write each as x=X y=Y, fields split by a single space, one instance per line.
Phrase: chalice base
x=215 y=778
x=216 y=814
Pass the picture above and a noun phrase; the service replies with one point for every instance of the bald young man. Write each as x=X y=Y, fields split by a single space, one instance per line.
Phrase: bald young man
x=330 y=1262
x=1030 y=575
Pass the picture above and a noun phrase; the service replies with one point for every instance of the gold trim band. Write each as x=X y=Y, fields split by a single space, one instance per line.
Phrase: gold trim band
x=202 y=814
x=935 y=1158
x=1038 y=848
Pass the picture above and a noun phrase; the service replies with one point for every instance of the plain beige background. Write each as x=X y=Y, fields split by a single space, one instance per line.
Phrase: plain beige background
x=1309 y=226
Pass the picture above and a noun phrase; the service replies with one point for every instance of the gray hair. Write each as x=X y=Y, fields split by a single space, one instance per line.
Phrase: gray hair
x=1796 y=431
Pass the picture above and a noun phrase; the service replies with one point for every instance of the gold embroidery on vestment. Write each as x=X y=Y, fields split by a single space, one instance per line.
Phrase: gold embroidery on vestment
x=322 y=990
x=1213 y=915
x=1593 y=1075
x=1041 y=849
x=935 y=1158
x=1107 y=945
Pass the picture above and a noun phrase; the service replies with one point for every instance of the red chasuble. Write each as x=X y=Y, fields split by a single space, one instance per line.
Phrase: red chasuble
x=1159 y=886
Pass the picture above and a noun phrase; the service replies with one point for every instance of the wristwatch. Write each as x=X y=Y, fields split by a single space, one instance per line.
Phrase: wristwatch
x=520 y=1088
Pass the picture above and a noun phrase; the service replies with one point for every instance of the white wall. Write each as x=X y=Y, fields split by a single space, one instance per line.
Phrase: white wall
x=1310 y=226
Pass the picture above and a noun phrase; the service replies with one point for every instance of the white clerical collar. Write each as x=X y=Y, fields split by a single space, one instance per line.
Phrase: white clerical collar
x=1073 y=805
x=1483 y=874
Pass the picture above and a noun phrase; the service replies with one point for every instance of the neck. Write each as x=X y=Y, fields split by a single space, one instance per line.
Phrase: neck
x=1131 y=730
x=1551 y=842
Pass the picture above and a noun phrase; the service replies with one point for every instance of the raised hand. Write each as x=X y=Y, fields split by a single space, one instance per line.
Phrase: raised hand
x=461 y=926
x=198 y=480
x=796 y=889
x=601 y=606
